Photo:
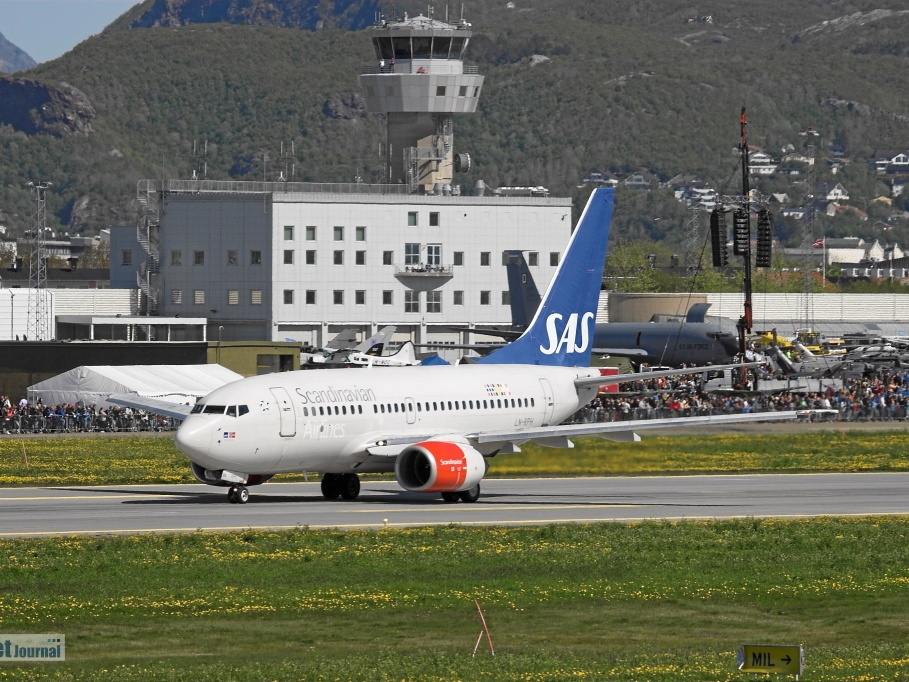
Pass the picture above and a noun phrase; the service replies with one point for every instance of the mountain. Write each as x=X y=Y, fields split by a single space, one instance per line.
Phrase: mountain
x=303 y=14
x=13 y=59
x=571 y=86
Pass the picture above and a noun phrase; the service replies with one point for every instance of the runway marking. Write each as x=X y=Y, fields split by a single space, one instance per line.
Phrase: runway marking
x=380 y=526
x=81 y=497
x=481 y=508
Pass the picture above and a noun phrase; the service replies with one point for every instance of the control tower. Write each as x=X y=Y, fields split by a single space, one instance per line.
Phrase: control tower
x=420 y=81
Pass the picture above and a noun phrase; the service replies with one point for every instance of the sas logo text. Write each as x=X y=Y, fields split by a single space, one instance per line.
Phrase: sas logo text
x=567 y=340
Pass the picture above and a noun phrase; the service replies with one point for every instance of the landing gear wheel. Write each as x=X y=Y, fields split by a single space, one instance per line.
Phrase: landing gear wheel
x=350 y=486
x=471 y=495
x=242 y=495
x=451 y=497
x=331 y=486
x=232 y=494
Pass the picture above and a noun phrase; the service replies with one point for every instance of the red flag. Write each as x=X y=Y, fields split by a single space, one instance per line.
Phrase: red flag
x=818 y=244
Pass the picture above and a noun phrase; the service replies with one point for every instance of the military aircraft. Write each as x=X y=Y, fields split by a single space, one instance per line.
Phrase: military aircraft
x=691 y=341
x=336 y=354
x=434 y=427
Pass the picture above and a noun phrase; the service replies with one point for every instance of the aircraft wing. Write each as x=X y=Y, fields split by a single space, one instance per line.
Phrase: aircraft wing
x=558 y=436
x=163 y=407
x=607 y=379
x=623 y=431
x=621 y=352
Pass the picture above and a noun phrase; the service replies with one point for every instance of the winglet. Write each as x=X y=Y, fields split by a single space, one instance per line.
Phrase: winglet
x=561 y=332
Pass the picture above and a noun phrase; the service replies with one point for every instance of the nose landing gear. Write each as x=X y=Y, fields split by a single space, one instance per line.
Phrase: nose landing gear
x=238 y=494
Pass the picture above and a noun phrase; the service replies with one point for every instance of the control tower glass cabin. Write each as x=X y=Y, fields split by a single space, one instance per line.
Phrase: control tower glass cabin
x=419 y=83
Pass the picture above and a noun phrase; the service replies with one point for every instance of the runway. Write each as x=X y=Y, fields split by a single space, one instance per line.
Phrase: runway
x=37 y=512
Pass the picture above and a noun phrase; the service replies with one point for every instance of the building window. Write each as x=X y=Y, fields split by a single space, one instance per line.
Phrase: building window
x=458 y=298
x=360 y=258
x=337 y=296
x=440 y=91
x=462 y=91
x=288 y=233
x=233 y=257
x=198 y=258
x=360 y=233
x=411 y=254
x=458 y=258
x=233 y=297
x=176 y=296
x=176 y=258
x=288 y=297
x=288 y=256
x=411 y=219
x=255 y=297
x=506 y=298
x=411 y=301
x=553 y=258
x=484 y=258
x=199 y=296
x=484 y=298
x=387 y=298
x=310 y=257
x=433 y=301
x=434 y=219
x=127 y=257
x=387 y=257
x=310 y=233
x=434 y=255
x=310 y=297
x=255 y=258
x=533 y=258
x=339 y=233
x=360 y=297
x=338 y=258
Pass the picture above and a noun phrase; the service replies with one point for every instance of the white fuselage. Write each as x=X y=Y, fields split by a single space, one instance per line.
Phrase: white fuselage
x=324 y=421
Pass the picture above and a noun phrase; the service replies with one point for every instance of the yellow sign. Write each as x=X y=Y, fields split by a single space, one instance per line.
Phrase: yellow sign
x=771 y=658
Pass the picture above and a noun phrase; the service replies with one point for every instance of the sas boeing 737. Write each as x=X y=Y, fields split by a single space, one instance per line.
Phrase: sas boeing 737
x=435 y=427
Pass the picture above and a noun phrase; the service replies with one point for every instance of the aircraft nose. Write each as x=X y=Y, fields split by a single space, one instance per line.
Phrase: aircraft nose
x=193 y=438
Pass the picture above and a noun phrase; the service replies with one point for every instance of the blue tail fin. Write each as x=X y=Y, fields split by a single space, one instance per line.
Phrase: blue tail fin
x=561 y=332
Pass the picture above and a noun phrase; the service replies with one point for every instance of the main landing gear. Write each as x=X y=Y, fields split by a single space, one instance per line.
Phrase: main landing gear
x=238 y=494
x=346 y=486
x=470 y=495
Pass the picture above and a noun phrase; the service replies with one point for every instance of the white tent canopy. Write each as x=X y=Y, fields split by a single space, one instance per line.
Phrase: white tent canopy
x=92 y=384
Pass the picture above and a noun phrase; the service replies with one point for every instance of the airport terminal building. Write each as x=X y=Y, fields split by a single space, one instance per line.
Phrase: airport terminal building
x=277 y=261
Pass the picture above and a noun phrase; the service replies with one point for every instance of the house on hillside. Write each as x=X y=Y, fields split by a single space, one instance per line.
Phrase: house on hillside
x=891 y=161
x=600 y=179
x=857 y=250
x=640 y=180
x=828 y=191
x=761 y=163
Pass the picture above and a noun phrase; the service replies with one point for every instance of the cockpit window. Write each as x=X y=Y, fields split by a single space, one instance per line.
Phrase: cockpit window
x=231 y=410
x=244 y=409
x=214 y=409
x=197 y=408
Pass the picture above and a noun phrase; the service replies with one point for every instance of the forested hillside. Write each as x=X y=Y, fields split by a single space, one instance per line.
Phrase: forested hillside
x=571 y=86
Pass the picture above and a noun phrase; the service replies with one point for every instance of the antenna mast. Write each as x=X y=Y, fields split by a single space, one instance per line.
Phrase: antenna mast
x=37 y=267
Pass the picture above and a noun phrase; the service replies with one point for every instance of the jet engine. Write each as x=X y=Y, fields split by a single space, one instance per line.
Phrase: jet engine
x=213 y=477
x=439 y=467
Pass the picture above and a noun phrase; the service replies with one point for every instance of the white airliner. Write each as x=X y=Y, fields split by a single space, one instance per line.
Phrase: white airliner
x=434 y=426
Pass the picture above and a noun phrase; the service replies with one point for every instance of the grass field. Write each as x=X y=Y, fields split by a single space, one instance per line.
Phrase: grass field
x=651 y=601
x=123 y=461
x=648 y=601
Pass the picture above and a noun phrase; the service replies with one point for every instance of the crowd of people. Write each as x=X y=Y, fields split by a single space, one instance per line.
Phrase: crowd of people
x=35 y=417
x=877 y=396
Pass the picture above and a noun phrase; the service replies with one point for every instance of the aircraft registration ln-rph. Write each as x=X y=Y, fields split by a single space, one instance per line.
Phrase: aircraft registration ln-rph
x=435 y=427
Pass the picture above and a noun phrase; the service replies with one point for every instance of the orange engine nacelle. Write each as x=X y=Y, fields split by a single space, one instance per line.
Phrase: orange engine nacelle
x=439 y=467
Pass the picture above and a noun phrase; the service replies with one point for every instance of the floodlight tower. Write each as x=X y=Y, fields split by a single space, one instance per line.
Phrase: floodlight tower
x=420 y=82
x=37 y=267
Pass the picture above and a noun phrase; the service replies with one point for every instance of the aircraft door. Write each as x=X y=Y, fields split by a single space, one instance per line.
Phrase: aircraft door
x=286 y=411
x=548 y=402
x=410 y=410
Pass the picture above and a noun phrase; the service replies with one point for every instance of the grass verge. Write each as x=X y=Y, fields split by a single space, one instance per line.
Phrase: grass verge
x=649 y=601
